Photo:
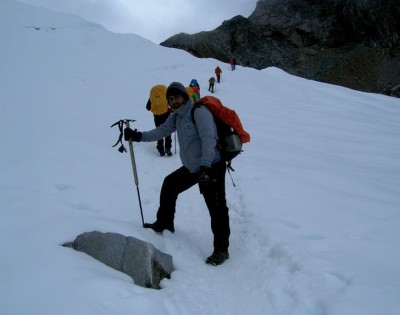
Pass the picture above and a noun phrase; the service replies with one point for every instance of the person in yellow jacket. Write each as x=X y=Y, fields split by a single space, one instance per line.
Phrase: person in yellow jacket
x=158 y=105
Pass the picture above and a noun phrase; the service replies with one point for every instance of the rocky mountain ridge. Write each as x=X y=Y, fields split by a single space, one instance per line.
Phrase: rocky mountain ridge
x=353 y=43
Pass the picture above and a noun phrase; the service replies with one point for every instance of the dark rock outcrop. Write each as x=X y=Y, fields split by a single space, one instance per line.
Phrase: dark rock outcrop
x=141 y=260
x=353 y=43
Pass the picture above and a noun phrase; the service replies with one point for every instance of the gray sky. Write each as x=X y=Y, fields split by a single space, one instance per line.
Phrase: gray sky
x=153 y=19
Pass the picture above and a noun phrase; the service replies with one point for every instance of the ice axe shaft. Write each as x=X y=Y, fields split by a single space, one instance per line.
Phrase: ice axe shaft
x=132 y=158
x=135 y=175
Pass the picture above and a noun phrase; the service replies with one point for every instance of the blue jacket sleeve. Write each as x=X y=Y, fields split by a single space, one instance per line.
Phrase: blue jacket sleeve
x=161 y=131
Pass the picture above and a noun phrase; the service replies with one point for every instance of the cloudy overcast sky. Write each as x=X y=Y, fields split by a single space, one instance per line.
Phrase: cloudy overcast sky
x=156 y=20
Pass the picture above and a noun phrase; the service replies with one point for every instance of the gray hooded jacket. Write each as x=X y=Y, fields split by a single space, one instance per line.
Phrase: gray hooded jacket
x=198 y=145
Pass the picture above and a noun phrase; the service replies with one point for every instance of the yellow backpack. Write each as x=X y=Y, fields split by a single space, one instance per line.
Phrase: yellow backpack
x=158 y=99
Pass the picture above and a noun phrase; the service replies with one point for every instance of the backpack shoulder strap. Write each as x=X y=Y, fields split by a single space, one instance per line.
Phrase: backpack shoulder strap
x=195 y=105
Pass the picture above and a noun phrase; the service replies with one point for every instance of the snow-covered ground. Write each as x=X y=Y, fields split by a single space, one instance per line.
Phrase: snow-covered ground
x=315 y=213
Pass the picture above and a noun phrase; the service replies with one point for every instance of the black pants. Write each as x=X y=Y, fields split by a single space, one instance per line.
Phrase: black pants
x=161 y=146
x=211 y=87
x=181 y=180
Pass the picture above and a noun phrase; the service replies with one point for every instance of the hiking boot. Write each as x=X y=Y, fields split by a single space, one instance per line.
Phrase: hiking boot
x=162 y=154
x=168 y=152
x=217 y=257
x=159 y=228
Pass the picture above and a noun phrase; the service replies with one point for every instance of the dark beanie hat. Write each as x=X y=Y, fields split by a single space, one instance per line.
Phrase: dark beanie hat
x=176 y=88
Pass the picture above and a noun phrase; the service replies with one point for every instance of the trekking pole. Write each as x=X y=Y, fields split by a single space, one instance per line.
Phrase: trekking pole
x=122 y=149
x=175 y=142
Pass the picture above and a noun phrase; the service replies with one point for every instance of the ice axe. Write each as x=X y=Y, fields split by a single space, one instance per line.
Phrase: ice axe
x=122 y=149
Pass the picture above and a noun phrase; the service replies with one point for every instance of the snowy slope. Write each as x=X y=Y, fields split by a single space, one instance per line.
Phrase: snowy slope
x=314 y=214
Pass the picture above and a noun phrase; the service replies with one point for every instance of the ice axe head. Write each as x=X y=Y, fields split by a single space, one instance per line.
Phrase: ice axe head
x=120 y=124
x=122 y=149
x=126 y=122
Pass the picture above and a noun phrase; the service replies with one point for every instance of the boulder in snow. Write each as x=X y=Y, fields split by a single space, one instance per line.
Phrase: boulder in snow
x=139 y=259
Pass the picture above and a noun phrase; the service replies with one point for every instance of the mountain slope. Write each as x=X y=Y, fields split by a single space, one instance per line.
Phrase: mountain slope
x=314 y=213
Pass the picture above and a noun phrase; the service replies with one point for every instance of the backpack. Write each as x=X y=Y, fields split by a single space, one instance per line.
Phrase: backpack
x=196 y=91
x=158 y=99
x=192 y=94
x=231 y=134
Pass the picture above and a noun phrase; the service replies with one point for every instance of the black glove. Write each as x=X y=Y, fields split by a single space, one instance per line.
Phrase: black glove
x=205 y=177
x=133 y=135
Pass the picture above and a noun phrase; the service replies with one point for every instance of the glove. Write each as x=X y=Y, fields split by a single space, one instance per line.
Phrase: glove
x=205 y=177
x=133 y=135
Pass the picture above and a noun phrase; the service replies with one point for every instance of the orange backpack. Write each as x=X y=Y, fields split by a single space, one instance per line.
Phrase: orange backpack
x=231 y=134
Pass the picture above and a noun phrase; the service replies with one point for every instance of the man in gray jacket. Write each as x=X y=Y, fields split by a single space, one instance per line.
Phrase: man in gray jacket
x=202 y=165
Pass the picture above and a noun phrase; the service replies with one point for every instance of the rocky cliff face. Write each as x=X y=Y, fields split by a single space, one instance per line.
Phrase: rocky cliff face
x=353 y=43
